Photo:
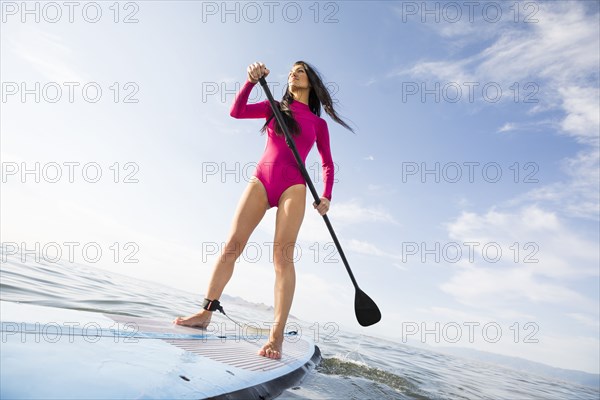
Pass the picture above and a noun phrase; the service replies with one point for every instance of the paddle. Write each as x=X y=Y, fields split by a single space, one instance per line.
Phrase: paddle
x=365 y=309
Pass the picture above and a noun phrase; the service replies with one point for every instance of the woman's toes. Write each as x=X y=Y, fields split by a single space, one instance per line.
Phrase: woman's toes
x=270 y=350
x=274 y=354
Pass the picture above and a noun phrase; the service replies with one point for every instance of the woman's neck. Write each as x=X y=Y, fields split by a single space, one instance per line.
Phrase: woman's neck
x=301 y=95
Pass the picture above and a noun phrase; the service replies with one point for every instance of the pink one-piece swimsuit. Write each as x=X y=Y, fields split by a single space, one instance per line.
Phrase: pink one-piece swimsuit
x=277 y=169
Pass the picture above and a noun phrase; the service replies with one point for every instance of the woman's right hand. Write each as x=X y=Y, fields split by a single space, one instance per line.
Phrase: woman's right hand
x=257 y=70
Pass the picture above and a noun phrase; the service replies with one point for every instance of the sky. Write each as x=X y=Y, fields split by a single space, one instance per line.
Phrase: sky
x=466 y=201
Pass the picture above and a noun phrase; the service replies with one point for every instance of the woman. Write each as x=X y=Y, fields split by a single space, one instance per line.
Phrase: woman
x=277 y=182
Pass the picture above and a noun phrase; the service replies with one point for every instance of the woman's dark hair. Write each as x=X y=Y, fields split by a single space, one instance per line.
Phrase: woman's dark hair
x=318 y=95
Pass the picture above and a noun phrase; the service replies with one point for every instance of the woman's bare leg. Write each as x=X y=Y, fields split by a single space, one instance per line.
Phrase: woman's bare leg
x=290 y=214
x=251 y=208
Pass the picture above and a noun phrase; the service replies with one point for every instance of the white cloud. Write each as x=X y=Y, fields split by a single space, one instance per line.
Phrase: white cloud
x=353 y=212
x=583 y=118
x=447 y=71
x=481 y=287
x=400 y=266
x=563 y=256
x=587 y=320
x=580 y=195
x=558 y=54
x=561 y=47
x=507 y=127
x=46 y=52
x=521 y=127
x=367 y=248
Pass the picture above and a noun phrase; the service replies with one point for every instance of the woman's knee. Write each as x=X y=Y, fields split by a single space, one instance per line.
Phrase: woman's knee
x=284 y=256
x=233 y=248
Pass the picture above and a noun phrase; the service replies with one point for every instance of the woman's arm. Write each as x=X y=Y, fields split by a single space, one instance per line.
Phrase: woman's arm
x=326 y=160
x=241 y=109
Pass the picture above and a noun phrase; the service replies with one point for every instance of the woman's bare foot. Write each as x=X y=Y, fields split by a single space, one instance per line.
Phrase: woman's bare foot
x=198 y=320
x=272 y=349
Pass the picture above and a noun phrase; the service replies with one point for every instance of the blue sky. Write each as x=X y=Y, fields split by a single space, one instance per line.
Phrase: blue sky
x=528 y=109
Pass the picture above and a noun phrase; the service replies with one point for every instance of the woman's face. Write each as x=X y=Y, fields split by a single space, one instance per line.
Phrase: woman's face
x=298 y=77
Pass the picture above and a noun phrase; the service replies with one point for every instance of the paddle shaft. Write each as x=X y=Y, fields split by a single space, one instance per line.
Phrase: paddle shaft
x=302 y=167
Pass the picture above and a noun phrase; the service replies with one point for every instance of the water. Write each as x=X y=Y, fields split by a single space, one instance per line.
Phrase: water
x=356 y=367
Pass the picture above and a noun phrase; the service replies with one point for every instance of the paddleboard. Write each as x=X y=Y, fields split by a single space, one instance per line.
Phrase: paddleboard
x=49 y=352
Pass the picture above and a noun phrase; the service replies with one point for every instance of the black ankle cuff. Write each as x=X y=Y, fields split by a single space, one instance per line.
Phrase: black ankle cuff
x=212 y=305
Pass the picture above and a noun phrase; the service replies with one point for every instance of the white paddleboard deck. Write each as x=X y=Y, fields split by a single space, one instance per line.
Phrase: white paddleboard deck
x=68 y=354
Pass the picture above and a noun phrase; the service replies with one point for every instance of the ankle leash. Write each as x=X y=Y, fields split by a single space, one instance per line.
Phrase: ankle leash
x=213 y=305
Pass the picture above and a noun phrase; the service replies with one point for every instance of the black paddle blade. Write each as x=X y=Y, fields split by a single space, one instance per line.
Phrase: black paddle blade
x=366 y=310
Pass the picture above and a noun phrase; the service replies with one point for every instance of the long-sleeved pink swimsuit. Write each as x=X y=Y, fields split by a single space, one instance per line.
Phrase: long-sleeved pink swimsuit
x=277 y=169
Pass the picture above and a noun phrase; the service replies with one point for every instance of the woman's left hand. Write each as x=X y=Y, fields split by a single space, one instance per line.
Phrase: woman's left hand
x=323 y=206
